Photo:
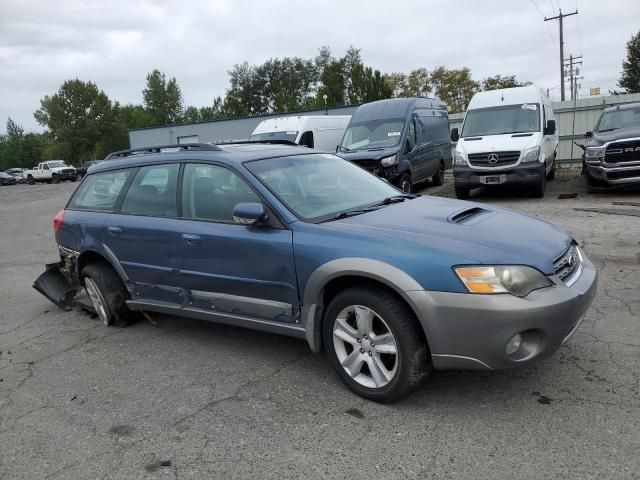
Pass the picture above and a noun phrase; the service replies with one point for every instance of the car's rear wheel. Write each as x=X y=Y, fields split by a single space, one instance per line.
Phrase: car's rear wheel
x=374 y=343
x=30 y=180
x=462 y=193
x=106 y=292
x=438 y=178
x=55 y=178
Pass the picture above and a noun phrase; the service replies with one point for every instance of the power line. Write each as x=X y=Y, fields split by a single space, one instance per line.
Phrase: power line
x=553 y=40
x=560 y=18
x=579 y=34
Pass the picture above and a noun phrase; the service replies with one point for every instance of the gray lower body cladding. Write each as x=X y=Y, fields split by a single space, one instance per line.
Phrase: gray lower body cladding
x=468 y=331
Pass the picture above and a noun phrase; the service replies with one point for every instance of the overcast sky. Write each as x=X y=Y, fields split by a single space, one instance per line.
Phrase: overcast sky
x=116 y=43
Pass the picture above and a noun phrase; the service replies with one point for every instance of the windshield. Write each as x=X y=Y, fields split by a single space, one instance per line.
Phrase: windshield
x=373 y=134
x=317 y=187
x=522 y=118
x=289 y=135
x=56 y=163
x=623 y=118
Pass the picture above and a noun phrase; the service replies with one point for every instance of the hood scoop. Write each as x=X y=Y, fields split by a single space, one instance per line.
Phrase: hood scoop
x=469 y=215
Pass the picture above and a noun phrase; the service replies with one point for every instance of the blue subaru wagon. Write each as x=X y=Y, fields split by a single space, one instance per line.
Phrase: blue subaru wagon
x=292 y=241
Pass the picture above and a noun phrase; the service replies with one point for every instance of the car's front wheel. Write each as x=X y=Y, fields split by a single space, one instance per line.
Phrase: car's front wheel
x=374 y=343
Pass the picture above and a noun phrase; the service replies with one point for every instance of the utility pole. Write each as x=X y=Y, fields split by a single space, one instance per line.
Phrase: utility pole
x=560 y=17
x=573 y=72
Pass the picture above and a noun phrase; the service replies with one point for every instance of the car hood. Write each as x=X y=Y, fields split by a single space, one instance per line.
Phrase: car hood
x=375 y=154
x=467 y=232
x=498 y=143
x=599 y=139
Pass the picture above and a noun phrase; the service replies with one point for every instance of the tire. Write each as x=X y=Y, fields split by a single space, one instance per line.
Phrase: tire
x=74 y=179
x=398 y=373
x=106 y=292
x=55 y=179
x=438 y=178
x=463 y=193
x=404 y=183
x=539 y=188
x=30 y=180
x=552 y=173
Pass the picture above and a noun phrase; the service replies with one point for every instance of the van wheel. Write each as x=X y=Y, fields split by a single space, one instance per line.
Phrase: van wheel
x=106 y=292
x=404 y=183
x=538 y=189
x=375 y=344
x=438 y=178
x=462 y=193
x=552 y=173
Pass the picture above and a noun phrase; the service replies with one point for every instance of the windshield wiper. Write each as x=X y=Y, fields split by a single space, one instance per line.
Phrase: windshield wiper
x=345 y=149
x=395 y=199
x=608 y=129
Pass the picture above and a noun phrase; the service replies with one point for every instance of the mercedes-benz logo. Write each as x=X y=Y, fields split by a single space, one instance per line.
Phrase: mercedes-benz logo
x=492 y=158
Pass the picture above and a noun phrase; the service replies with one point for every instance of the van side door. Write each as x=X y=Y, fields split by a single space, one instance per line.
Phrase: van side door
x=427 y=155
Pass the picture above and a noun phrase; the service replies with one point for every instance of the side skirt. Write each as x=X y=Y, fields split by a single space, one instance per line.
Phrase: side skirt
x=218 y=317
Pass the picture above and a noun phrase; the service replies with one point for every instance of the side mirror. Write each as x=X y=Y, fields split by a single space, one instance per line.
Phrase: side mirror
x=250 y=214
x=550 y=129
x=455 y=135
x=588 y=134
x=337 y=148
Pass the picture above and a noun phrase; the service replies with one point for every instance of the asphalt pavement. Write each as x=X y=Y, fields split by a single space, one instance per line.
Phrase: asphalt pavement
x=191 y=399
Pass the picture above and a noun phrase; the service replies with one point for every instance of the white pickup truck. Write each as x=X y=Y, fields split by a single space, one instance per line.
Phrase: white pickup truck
x=51 y=171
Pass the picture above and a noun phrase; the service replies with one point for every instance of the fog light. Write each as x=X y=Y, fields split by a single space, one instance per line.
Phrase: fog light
x=513 y=345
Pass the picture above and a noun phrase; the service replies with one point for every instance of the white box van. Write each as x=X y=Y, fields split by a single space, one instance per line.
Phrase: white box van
x=508 y=136
x=322 y=132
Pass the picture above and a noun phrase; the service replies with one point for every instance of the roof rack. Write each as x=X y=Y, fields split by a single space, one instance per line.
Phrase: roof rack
x=272 y=142
x=184 y=147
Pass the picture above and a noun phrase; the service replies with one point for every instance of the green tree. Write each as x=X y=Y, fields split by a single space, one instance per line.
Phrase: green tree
x=455 y=87
x=162 y=98
x=19 y=149
x=78 y=116
x=417 y=84
x=397 y=82
x=630 y=78
x=191 y=114
x=499 y=81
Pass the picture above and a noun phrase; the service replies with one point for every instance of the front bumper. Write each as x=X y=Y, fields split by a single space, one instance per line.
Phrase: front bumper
x=528 y=173
x=67 y=176
x=615 y=174
x=466 y=331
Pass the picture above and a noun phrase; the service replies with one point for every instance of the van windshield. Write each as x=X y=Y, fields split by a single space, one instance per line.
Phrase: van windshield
x=521 y=118
x=373 y=134
x=289 y=135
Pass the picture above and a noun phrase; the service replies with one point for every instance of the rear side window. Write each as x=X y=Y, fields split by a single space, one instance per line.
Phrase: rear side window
x=210 y=192
x=153 y=192
x=100 y=191
x=433 y=127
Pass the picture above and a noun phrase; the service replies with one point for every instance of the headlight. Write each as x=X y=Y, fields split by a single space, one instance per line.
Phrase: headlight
x=594 y=153
x=517 y=280
x=390 y=161
x=531 y=154
x=458 y=158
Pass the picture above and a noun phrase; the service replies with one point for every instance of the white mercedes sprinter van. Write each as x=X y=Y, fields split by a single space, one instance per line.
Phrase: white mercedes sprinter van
x=508 y=136
x=322 y=132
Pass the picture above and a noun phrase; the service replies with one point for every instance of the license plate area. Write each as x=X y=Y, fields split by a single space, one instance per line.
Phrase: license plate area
x=493 y=179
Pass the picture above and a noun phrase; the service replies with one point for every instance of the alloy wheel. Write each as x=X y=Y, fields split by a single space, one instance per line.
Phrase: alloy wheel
x=365 y=346
x=96 y=300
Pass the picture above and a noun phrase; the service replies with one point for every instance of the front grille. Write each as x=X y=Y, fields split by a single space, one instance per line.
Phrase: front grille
x=568 y=263
x=620 y=152
x=370 y=165
x=622 y=174
x=67 y=170
x=493 y=159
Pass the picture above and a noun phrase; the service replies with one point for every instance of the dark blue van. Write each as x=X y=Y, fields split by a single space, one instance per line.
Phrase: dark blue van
x=403 y=140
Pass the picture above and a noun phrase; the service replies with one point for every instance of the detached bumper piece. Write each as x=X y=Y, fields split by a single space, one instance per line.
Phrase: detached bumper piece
x=56 y=286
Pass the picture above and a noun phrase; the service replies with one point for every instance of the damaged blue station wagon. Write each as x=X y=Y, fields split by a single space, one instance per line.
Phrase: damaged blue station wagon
x=292 y=241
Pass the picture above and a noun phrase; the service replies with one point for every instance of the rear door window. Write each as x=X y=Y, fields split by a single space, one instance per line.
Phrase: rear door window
x=153 y=192
x=100 y=191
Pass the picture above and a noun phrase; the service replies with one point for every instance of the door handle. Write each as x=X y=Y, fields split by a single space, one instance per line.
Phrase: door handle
x=191 y=240
x=114 y=231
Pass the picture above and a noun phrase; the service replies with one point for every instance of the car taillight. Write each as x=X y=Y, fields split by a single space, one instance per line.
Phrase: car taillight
x=57 y=221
